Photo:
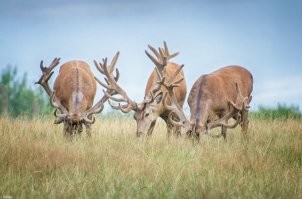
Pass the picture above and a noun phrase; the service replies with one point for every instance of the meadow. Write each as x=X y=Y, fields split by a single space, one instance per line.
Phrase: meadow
x=36 y=161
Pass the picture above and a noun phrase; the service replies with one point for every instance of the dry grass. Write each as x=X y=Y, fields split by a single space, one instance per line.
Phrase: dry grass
x=37 y=162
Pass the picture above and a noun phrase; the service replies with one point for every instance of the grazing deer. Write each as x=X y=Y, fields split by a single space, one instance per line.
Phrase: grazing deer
x=147 y=112
x=73 y=94
x=214 y=99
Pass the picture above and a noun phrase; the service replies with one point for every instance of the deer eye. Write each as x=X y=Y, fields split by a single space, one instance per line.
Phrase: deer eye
x=147 y=114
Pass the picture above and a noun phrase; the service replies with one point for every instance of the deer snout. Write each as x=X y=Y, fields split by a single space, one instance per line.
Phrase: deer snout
x=75 y=117
x=200 y=129
x=139 y=133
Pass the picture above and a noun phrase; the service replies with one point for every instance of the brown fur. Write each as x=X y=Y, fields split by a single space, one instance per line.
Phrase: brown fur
x=208 y=98
x=146 y=118
x=75 y=88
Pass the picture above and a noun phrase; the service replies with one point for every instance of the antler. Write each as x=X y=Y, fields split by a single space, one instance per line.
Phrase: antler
x=46 y=74
x=102 y=68
x=56 y=104
x=222 y=121
x=242 y=103
x=175 y=108
x=162 y=56
x=161 y=60
x=112 y=86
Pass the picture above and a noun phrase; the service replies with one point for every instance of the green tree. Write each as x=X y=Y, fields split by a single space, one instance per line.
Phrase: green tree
x=17 y=98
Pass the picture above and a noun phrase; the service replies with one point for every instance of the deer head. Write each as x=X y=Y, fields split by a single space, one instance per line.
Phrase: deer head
x=178 y=118
x=146 y=112
x=73 y=122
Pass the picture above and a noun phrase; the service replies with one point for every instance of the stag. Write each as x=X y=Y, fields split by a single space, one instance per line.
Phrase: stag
x=214 y=99
x=147 y=112
x=73 y=94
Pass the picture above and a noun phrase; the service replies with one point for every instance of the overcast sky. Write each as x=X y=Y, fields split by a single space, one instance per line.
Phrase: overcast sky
x=265 y=36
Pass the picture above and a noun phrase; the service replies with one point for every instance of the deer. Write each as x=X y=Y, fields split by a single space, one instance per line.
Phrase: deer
x=73 y=93
x=214 y=99
x=151 y=108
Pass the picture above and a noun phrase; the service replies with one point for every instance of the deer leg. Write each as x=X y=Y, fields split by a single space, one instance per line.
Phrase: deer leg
x=224 y=131
x=224 y=128
x=88 y=129
x=177 y=131
x=169 y=130
x=67 y=131
x=244 y=121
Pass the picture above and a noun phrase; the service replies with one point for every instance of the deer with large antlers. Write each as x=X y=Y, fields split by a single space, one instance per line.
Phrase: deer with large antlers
x=73 y=94
x=214 y=99
x=152 y=107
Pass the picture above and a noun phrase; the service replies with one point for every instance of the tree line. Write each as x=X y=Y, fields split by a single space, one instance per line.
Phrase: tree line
x=18 y=98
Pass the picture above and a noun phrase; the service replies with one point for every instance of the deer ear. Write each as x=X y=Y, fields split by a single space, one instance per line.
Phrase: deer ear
x=158 y=98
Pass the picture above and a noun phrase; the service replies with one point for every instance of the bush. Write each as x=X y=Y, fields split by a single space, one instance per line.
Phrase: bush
x=282 y=111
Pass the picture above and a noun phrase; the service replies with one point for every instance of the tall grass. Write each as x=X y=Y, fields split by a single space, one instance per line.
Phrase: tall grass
x=37 y=162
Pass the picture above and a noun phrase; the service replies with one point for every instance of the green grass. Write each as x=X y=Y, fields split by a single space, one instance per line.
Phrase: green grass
x=281 y=112
x=37 y=162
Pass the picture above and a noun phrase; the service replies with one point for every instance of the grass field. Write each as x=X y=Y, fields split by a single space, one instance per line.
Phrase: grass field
x=37 y=162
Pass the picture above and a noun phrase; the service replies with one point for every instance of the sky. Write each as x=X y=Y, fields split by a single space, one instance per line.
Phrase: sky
x=264 y=36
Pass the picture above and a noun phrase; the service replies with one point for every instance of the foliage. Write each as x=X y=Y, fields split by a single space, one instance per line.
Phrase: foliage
x=18 y=98
x=282 y=111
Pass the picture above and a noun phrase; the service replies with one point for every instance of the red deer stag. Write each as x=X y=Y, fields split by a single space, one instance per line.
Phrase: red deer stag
x=151 y=107
x=214 y=99
x=73 y=94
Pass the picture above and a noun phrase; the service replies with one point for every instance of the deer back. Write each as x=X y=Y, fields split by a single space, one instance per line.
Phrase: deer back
x=75 y=87
x=211 y=93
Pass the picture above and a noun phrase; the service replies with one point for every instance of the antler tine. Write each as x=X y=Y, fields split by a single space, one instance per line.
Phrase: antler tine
x=59 y=117
x=46 y=74
x=167 y=53
x=57 y=104
x=164 y=59
x=247 y=102
x=117 y=74
x=101 y=83
x=123 y=108
x=114 y=98
x=166 y=48
x=102 y=68
x=113 y=86
x=174 y=108
x=156 y=62
x=162 y=56
x=242 y=103
x=154 y=51
x=232 y=113
x=53 y=64
x=175 y=74
x=99 y=66
x=222 y=121
x=113 y=62
x=42 y=67
x=157 y=86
